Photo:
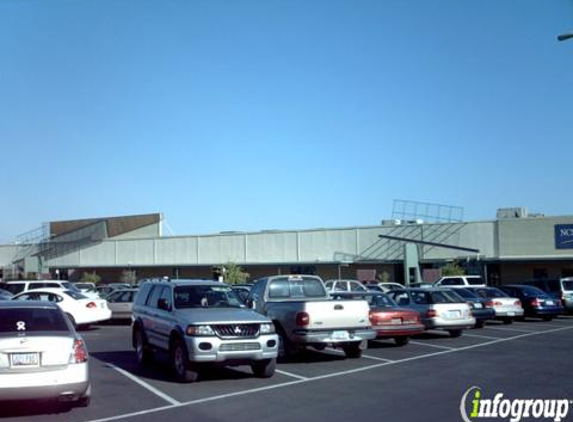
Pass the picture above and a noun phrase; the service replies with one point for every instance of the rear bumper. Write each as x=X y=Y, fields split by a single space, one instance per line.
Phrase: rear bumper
x=509 y=312
x=398 y=330
x=71 y=381
x=445 y=324
x=544 y=311
x=332 y=336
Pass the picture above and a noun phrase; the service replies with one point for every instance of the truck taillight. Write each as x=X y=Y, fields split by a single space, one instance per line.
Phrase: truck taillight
x=91 y=305
x=302 y=318
x=431 y=313
x=79 y=352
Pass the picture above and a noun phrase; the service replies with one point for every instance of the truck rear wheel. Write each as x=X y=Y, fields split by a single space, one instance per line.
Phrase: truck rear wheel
x=352 y=350
x=287 y=349
x=264 y=368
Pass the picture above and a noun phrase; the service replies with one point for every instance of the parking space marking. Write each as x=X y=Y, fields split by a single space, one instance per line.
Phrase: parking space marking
x=145 y=385
x=377 y=358
x=518 y=330
x=335 y=374
x=289 y=374
x=419 y=343
x=480 y=336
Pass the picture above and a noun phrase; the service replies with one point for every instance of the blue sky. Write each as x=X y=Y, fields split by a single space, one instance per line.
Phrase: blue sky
x=251 y=115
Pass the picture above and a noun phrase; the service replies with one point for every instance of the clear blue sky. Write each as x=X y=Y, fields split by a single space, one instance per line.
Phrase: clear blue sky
x=250 y=115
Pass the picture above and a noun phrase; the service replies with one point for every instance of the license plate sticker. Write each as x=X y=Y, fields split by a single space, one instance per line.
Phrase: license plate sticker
x=340 y=335
x=24 y=360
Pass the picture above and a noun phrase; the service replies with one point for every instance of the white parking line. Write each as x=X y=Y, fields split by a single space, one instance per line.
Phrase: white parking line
x=512 y=329
x=322 y=377
x=419 y=343
x=377 y=358
x=480 y=336
x=145 y=385
x=288 y=374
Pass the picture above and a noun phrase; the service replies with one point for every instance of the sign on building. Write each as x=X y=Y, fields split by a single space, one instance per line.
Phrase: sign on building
x=564 y=236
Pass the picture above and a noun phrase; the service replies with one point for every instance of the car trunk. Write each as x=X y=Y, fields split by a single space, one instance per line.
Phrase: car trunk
x=28 y=353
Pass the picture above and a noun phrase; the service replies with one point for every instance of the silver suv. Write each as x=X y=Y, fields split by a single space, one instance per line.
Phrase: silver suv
x=201 y=321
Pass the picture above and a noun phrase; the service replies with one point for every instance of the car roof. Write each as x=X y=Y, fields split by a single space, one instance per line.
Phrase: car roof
x=17 y=304
x=47 y=290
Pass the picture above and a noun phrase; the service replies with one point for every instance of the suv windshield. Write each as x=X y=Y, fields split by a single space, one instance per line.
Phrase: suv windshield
x=205 y=297
x=29 y=320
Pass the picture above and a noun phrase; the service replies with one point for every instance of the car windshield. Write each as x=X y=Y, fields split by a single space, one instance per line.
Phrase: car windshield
x=381 y=301
x=74 y=295
x=491 y=292
x=445 y=296
x=30 y=320
x=529 y=291
x=87 y=286
x=567 y=285
x=296 y=287
x=205 y=297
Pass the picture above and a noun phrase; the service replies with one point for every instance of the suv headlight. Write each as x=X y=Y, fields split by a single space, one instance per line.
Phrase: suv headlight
x=199 y=330
x=267 y=329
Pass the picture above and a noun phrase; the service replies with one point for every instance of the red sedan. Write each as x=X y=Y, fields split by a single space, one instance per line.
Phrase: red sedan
x=389 y=320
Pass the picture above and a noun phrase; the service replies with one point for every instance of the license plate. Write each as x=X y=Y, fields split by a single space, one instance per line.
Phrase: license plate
x=340 y=335
x=511 y=314
x=24 y=359
x=396 y=321
x=549 y=302
x=478 y=305
x=454 y=314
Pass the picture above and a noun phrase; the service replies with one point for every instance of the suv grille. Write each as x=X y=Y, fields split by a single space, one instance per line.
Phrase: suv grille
x=236 y=330
x=239 y=347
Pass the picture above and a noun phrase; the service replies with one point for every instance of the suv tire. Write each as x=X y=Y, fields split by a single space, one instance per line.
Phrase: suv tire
x=352 y=350
x=142 y=352
x=264 y=368
x=180 y=363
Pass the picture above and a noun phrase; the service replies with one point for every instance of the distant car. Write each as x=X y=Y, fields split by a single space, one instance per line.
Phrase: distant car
x=345 y=286
x=535 y=302
x=121 y=303
x=482 y=308
x=41 y=355
x=88 y=289
x=423 y=285
x=460 y=281
x=384 y=286
x=19 y=286
x=79 y=309
x=105 y=289
x=439 y=309
x=506 y=308
x=389 y=320
x=559 y=288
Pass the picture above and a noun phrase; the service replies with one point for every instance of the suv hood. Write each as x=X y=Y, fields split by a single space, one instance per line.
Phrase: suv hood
x=220 y=316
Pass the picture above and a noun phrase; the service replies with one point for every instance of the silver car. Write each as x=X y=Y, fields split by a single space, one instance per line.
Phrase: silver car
x=41 y=355
x=439 y=308
x=506 y=308
x=121 y=303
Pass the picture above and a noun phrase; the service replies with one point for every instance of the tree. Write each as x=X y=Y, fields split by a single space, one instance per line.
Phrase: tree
x=232 y=273
x=452 y=268
x=384 y=277
x=90 y=278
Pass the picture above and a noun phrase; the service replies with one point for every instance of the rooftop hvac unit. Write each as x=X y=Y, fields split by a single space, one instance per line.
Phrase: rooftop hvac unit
x=514 y=212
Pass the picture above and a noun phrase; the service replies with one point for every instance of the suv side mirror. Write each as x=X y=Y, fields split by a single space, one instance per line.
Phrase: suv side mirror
x=163 y=305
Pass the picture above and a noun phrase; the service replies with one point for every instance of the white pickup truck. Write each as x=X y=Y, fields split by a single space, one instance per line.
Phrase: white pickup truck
x=305 y=315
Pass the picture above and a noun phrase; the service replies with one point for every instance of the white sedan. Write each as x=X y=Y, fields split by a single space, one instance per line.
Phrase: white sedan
x=80 y=310
x=41 y=355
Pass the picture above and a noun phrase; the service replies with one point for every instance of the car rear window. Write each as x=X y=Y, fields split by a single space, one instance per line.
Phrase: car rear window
x=14 y=288
x=491 y=292
x=30 y=320
x=382 y=301
x=296 y=287
x=474 y=281
x=567 y=285
x=75 y=295
x=529 y=291
x=445 y=297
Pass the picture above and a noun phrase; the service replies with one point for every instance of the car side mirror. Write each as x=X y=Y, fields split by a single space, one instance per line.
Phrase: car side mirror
x=251 y=304
x=163 y=305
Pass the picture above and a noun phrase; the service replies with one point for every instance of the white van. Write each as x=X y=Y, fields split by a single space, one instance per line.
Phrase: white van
x=460 y=281
x=20 y=286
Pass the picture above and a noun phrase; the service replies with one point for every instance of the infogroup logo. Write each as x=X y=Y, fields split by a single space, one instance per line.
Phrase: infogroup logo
x=474 y=406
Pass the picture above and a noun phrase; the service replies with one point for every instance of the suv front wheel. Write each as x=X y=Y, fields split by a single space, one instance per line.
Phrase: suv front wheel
x=142 y=352
x=264 y=368
x=180 y=363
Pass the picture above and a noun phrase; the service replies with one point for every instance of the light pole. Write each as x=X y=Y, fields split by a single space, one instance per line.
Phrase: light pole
x=565 y=37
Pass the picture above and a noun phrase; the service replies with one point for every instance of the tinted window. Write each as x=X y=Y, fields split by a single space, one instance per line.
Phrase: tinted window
x=205 y=297
x=468 y=294
x=381 y=301
x=13 y=321
x=421 y=298
x=142 y=293
x=154 y=296
x=567 y=285
x=14 y=288
x=491 y=292
x=531 y=291
x=452 y=282
x=296 y=287
x=445 y=297
x=357 y=287
x=472 y=281
x=401 y=298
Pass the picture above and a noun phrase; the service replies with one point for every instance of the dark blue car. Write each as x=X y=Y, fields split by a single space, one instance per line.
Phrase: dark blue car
x=481 y=307
x=535 y=302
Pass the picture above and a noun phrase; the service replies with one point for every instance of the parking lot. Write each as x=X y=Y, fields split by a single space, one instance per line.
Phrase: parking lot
x=424 y=380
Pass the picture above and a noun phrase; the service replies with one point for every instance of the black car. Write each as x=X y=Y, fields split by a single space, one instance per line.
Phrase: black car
x=482 y=308
x=535 y=302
